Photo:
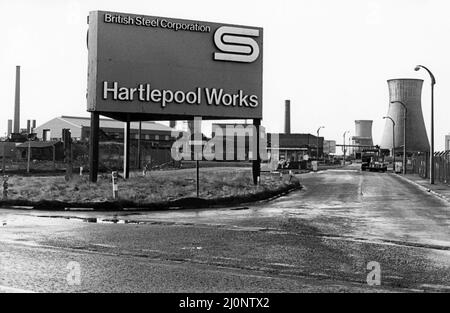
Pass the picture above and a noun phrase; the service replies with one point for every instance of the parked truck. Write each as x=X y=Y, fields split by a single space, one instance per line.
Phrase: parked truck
x=373 y=160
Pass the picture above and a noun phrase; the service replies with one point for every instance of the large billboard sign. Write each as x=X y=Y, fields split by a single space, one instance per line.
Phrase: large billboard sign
x=146 y=67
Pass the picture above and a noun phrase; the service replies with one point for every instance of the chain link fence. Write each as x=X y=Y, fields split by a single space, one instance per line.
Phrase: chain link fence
x=48 y=157
x=421 y=166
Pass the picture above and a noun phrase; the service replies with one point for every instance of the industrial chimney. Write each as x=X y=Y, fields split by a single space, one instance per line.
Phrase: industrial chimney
x=10 y=127
x=28 y=126
x=17 y=102
x=33 y=125
x=287 y=117
x=408 y=91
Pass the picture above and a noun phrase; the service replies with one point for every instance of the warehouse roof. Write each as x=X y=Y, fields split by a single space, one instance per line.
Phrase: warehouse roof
x=109 y=123
x=37 y=144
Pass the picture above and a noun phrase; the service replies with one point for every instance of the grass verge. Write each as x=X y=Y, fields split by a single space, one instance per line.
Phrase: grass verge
x=156 y=191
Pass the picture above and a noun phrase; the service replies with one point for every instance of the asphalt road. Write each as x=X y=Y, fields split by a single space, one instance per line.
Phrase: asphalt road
x=321 y=238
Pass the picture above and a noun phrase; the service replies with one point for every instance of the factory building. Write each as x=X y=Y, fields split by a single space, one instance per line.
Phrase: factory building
x=295 y=147
x=111 y=130
x=156 y=140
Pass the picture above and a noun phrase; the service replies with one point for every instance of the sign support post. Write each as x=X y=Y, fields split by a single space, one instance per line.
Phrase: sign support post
x=139 y=146
x=256 y=166
x=126 y=149
x=198 y=178
x=93 y=147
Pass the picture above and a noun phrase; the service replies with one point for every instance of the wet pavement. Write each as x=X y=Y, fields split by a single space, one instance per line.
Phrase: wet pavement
x=321 y=238
x=439 y=189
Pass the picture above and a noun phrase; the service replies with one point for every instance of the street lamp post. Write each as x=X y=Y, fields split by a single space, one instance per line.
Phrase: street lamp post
x=433 y=82
x=318 y=130
x=405 y=113
x=393 y=140
x=347 y=131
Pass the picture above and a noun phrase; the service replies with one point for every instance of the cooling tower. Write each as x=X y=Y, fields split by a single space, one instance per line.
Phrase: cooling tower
x=363 y=132
x=287 y=117
x=408 y=91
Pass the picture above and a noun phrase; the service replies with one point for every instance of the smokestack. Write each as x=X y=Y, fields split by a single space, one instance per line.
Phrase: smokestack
x=287 y=117
x=33 y=125
x=17 y=102
x=10 y=127
x=28 y=126
x=408 y=91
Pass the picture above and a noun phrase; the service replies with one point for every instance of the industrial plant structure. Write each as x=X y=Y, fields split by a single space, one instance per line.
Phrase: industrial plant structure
x=14 y=132
x=362 y=138
x=295 y=147
x=409 y=92
x=110 y=129
x=17 y=102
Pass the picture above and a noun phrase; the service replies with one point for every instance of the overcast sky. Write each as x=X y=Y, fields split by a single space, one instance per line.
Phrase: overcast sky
x=331 y=58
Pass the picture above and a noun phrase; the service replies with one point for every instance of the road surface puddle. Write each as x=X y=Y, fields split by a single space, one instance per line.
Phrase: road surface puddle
x=94 y=219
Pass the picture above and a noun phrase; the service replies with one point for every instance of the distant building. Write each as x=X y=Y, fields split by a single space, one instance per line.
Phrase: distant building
x=41 y=150
x=110 y=130
x=293 y=147
x=297 y=147
x=329 y=147
x=155 y=145
x=447 y=142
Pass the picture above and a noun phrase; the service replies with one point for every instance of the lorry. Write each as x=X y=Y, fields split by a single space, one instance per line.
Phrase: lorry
x=373 y=160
